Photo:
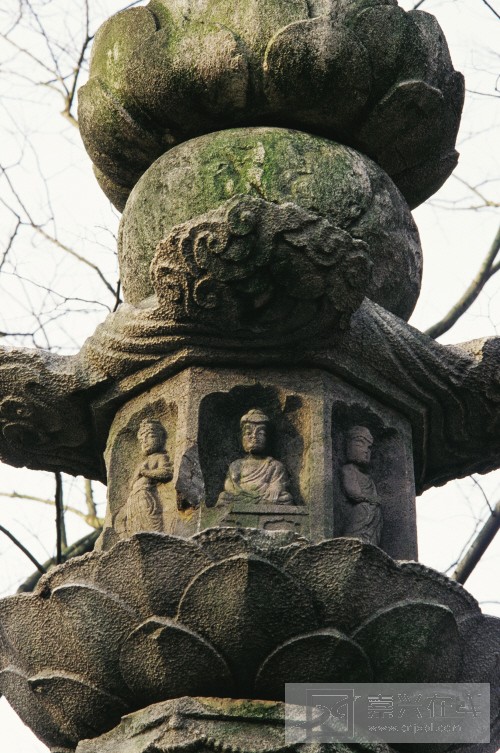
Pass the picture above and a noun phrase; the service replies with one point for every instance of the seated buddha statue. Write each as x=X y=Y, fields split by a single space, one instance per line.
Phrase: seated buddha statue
x=257 y=477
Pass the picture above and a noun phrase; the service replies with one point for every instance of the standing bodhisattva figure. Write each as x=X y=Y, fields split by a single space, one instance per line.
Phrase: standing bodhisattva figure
x=257 y=477
x=365 y=519
x=144 y=512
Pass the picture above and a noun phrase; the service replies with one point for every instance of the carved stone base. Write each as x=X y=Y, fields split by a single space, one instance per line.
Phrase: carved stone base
x=208 y=724
x=195 y=474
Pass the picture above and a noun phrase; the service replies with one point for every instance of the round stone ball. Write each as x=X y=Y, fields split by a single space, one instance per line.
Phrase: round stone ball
x=312 y=200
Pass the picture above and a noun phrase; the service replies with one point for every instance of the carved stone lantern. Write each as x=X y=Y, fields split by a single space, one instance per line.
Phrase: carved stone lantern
x=262 y=412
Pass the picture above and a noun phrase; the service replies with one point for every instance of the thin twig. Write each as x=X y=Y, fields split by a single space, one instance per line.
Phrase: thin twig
x=60 y=533
x=478 y=547
x=485 y=496
x=491 y=8
x=118 y=299
x=23 y=549
x=39 y=229
x=9 y=243
x=91 y=518
x=482 y=94
x=76 y=73
x=487 y=270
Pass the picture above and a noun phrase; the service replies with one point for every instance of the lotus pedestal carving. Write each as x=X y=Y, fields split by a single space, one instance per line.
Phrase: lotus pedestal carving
x=229 y=613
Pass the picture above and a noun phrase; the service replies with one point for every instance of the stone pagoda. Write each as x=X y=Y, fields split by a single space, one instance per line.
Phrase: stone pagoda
x=258 y=406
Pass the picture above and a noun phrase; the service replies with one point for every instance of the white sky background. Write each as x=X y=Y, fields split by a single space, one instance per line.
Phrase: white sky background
x=35 y=140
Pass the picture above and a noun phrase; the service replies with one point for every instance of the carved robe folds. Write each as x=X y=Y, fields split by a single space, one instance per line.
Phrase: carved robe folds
x=144 y=511
x=259 y=481
x=365 y=520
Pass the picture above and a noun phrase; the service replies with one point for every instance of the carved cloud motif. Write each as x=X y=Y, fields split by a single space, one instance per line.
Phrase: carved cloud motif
x=252 y=266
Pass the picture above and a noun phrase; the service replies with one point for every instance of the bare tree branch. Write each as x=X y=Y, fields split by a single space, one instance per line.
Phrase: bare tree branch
x=60 y=527
x=478 y=547
x=10 y=242
x=483 y=94
x=475 y=190
x=65 y=84
x=118 y=299
x=77 y=256
x=487 y=270
x=90 y=517
x=29 y=55
x=76 y=72
x=491 y=8
x=53 y=239
x=23 y=549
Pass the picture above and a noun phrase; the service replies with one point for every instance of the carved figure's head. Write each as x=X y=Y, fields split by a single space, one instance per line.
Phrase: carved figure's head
x=359 y=445
x=152 y=436
x=254 y=426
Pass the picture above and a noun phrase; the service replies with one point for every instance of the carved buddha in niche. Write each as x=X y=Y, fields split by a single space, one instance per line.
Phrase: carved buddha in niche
x=256 y=478
x=365 y=519
x=143 y=507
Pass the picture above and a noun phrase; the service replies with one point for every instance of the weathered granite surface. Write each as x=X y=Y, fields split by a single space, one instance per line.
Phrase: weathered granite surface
x=45 y=415
x=209 y=724
x=366 y=518
x=362 y=72
x=264 y=270
x=229 y=613
x=268 y=231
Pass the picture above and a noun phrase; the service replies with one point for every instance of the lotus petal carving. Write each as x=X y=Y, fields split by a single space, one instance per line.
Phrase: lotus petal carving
x=362 y=72
x=172 y=659
x=229 y=613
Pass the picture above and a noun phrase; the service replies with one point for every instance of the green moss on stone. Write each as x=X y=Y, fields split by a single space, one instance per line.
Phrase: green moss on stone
x=164 y=13
x=116 y=43
x=250 y=709
x=254 y=21
x=277 y=165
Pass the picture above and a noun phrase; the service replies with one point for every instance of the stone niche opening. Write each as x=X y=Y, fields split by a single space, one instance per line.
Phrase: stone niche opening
x=219 y=438
x=124 y=454
x=220 y=445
